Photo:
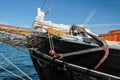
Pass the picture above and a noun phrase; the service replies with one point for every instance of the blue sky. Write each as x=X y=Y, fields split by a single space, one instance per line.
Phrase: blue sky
x=23 y=12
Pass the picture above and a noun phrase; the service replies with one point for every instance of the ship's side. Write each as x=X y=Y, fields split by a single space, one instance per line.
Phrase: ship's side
x=49 y=68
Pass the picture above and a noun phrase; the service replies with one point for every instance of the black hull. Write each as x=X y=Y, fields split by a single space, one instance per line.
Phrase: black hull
x=49 y=68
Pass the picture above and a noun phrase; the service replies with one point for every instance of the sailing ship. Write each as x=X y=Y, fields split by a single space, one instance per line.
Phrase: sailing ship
x=63 y=52
x=72 y=53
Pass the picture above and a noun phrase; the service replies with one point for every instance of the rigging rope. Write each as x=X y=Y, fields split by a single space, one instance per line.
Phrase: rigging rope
x=51 y=42
x=12 y=73
x=36 y=57
x=15 y=66
x=49 y=8
x=52 y=3
x=43 y=4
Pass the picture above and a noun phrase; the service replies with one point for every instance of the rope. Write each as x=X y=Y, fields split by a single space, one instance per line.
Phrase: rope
x=44 y=67
x=33 y=56
x=51 y=42
x=36 y=58
x=12 y=73
x=52 y=3
x=15 y=66
x=43 y=4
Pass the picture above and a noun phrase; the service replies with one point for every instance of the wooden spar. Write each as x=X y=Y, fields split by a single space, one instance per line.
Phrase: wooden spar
x=14 y=30
x=82 y=52
x=48 y=24
x=55 y=32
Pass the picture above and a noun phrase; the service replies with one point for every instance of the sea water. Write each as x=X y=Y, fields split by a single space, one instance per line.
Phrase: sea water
x=19 y=57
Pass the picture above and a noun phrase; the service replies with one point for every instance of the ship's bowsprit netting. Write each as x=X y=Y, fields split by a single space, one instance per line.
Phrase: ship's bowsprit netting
x=35 y=40
x=12 y=39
